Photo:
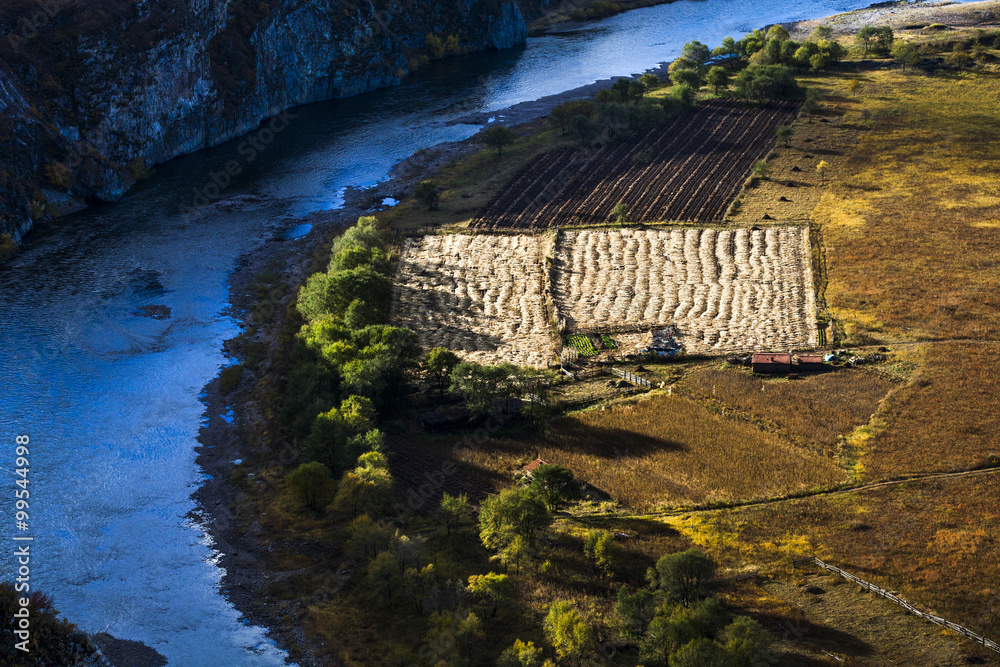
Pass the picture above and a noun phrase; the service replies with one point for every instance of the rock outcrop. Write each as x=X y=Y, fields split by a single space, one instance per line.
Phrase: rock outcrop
x=93 y=92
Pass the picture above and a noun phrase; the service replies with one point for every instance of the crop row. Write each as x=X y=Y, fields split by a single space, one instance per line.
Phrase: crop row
x=688 y=169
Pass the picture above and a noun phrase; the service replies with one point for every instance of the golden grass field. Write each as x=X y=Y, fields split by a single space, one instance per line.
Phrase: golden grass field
x=668 y=450
x=813 y=411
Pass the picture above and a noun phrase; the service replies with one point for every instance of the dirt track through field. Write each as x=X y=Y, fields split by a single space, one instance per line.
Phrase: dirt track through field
x=726 y=291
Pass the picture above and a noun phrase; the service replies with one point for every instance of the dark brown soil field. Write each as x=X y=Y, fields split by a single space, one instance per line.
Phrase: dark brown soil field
x=686 y=170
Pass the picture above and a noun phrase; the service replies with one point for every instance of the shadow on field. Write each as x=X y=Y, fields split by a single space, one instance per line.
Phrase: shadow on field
x=608 y=443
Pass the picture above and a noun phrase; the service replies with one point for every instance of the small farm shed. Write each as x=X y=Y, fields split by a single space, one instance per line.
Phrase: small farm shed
x=771 y=362
x=810 y=362
x=533 y=466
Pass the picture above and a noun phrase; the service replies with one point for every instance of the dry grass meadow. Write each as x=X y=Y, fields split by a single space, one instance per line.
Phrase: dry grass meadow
x=813 y=411
x=667 y=450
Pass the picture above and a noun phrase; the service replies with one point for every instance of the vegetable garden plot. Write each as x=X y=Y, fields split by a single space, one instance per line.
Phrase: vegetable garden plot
x=726 y=290
x=688 y=169
x=483 y=297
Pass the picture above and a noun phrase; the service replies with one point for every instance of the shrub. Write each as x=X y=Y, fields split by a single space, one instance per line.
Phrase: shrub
x=600 y=547
x=684 y=575
x=567 y=632
x=312 y=484
x=427 y=194
x=761 y=84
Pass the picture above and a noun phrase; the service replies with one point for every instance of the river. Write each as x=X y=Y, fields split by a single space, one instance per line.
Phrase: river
x=110 y=396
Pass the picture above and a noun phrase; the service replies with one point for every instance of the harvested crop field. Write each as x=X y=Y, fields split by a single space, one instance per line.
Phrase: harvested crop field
x=725 y=290
x=482 y=297
x=688 y=170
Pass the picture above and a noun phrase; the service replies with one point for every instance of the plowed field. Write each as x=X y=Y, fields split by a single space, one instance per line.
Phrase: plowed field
x=688 y=169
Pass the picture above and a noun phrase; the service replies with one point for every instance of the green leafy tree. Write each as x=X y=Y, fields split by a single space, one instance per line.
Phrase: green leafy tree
x=701 y=652
x=875 y=40
x=453 y=637
x=440 y=362
x=509 y=523
x=427 y=194
x=494 y=589
x=821 y=32
x=728 y=52
x=454 y=511
x=784 y=134
x=765 y=83
x=555 y=485
x=684 y=95
x=566 y=630
x=563 y=115
x=497 y=137
x=600 y=547
x=906 y=53
x=761 y=168
x=746 y=642
x=718 y=78
x=697 y=53
x=683 y=576
x=777 y=32
x=689 y=77
x=369 y=538
x=584 y=128
x=634 y=611
x=312 y=484
x=521 y=654
x=649 y=81
x=620 y=213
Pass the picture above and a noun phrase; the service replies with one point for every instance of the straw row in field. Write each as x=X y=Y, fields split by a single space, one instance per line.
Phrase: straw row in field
x=481 y=296
x=725 y=290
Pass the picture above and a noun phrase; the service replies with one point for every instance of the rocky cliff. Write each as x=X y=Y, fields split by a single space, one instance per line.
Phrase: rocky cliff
x=93 y=92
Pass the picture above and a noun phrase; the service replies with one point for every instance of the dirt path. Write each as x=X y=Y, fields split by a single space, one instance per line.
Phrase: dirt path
x=826 y=492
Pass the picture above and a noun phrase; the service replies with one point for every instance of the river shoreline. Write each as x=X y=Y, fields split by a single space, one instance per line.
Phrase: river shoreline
x=246 y=575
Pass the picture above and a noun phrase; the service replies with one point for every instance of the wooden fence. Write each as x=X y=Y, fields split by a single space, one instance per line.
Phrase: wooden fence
x=629 y=376
x=881 y=592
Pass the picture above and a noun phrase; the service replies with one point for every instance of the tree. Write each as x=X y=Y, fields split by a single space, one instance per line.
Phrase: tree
x=509 y=523
x=562 y=116
x=728 y=52
x=620 y=213
x=492 y=588
x=718 y=78
x=821 y=168
x=454 y=638
x=821 y=32
x=427 y=194
x=454 y=511
x=521 y=655
x=690 y=77
x=555 y=485
x=683 y=575
x=332 y=432
x=440 y=362
x=875 y=40
x=498 y=136
x=600 y=547
x=674 y=627
x=784 y=134
x=634 y=611
x=701 y=652
x=697 y=53
x=760 y=83
x=778 y=32
x=312 y=484
x=571 y=637
x=649 y=81
x=761 y=168
x=745 y=642
x=583 y=128
x=906 y=53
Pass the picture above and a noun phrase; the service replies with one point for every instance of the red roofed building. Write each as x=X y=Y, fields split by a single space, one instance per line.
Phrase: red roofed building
x=533 y=466
x=810 y=362
x=771 y=362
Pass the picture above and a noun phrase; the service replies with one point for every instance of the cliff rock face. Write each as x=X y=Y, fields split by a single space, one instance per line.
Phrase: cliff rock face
x=92 y=92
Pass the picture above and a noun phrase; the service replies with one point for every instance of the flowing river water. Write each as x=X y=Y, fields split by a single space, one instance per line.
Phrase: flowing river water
x=109 y=389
